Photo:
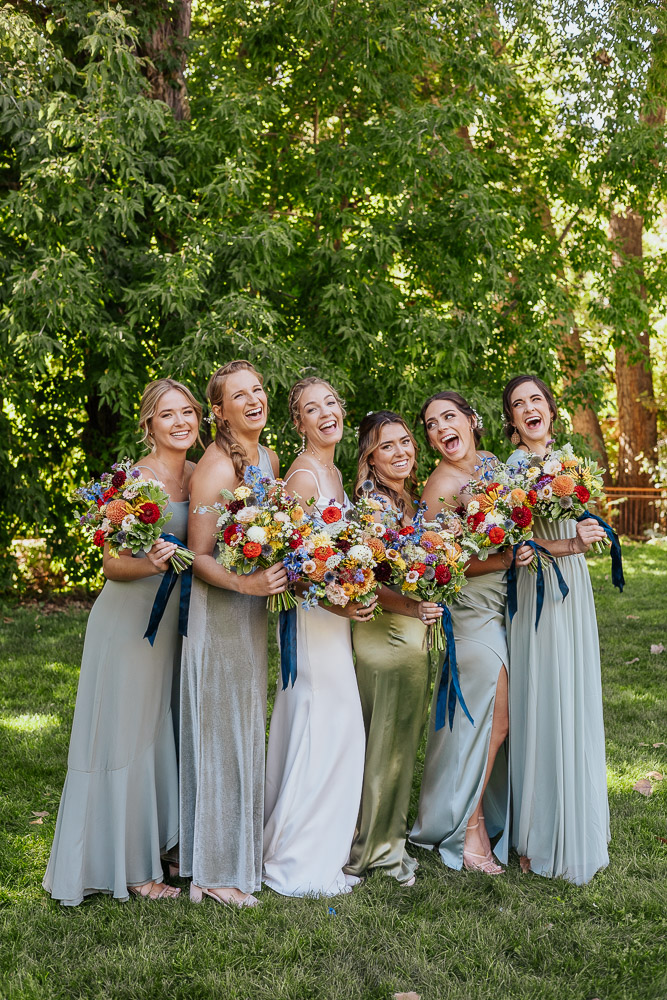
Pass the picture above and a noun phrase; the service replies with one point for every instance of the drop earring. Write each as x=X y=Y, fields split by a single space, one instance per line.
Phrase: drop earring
x=303 y=444
x=516 y=438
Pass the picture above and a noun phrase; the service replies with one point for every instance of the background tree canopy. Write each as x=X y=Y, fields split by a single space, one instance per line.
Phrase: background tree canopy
x=400 y=196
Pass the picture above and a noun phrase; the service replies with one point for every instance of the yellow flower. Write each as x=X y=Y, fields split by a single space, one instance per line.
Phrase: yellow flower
x=242 y=492
x=297 y=513
x=570 y=463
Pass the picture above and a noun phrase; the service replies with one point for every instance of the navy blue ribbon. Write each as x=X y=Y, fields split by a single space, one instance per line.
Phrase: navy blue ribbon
x=617 y=577
x=287 y=629
x=164 y=592
x=512 y=599
x=449 y=691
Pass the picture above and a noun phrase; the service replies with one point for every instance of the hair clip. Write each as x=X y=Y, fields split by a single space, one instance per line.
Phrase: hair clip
x=480 y=422
x=210 y=419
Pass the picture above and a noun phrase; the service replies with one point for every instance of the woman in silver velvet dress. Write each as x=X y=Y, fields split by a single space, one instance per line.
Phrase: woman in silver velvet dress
x=119 y=806
x=224 y=667
x=463 y=796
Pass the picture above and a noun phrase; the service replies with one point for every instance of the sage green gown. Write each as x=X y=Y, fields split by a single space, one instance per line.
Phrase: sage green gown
x=394 y=680
x=558 y=779
x=456 y=760
x=119 y=806
x=223 y=734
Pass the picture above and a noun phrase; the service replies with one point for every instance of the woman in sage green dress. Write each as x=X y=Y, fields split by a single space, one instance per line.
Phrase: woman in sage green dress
x=119 y=806
x=463 y=799
x=559 y=809
x=224 y=666
x=392 y=665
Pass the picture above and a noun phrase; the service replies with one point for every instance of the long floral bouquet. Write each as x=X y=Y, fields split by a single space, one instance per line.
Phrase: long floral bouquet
x=344 y=558
x=428 y=561
x=562 y=484
x=124 y=510
x=496 y=512
x=260 y=524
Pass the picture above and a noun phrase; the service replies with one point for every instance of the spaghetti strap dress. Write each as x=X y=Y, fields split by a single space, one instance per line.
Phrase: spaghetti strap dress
x=394 y=684
x=456 y=760
x=559 y=811
x=119 y=806
x=315 y=762
x=223 y=727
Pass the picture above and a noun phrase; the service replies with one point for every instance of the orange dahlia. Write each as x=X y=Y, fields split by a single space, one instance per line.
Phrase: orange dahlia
x=116 y=511
x=376 y=546
x=563 y=486
x=518 y=497
x=431 y=540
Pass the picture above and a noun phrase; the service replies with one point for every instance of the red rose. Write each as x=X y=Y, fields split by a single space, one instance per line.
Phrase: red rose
x=231 y=534
x=149 y=513
x=531 y=497
x=581 y=493
x=252 y=549
x=409 y=530
x=108 y=494
x=331 y=514
x=99 y=538
x=419 y=568
x=322 y=552
x=521 y=516
x=295 y=541
x=118 y=478
x=475 y=520
x=443 y=575
x=496 y=535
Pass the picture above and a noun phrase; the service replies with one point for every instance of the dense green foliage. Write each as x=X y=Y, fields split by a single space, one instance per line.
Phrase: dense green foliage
x=454 y=936
x=400 y=196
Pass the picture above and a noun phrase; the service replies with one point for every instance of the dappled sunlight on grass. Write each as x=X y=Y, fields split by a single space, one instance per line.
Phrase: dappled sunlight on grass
x=29 y=723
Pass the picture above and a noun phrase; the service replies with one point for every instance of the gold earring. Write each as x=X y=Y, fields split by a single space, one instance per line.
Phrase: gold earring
x=516 y=438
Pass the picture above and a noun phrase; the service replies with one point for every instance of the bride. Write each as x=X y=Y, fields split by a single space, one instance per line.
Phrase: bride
x=315 y=758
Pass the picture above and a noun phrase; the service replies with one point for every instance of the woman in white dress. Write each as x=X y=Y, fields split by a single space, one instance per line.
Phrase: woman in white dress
x=315 y=759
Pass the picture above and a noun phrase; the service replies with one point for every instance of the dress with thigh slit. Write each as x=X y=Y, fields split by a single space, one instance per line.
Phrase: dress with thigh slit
x=456 y=760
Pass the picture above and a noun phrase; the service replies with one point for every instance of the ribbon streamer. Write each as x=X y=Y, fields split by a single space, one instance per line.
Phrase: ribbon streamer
x=164 y=592
x=617 y=577
x=449 y=691
x=512 y=598
x=287 y=631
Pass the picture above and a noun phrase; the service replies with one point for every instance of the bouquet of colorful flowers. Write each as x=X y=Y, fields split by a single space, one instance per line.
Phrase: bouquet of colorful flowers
x=259 y=524
x=562 y=485
x=344 y=558
x=127 y=511
x=495 y=514
x=426 y=560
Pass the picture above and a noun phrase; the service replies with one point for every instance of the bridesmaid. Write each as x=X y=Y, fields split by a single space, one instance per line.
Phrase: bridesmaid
x=315 y=758
x=224 y=668
x=392 y=666
x=463 y=797
x=119 y=807
x=558 y=780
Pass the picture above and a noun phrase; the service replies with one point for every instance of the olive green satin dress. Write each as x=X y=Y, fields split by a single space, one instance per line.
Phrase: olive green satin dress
x=456 y=760
x=394 y=680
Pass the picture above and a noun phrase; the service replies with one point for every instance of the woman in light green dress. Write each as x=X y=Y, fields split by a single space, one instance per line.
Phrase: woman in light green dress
x=559 y=809
x=392 y=665
x=119 y=806
x=463 y=797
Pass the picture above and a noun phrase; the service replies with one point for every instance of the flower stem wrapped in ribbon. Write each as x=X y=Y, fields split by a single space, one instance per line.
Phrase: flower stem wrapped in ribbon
x=164 y=592
x=449 y=688
x=512 y=599
x=617 y=577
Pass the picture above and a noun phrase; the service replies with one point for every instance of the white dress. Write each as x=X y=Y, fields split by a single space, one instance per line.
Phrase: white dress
x=315 y=762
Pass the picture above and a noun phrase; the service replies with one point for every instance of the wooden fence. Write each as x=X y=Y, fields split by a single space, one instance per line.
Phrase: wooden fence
x=633 y=509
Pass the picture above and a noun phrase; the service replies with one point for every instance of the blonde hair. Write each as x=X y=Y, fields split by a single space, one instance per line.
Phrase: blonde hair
x=370 y=430
x=150 y=400
x=297 y=391
x=215 y=392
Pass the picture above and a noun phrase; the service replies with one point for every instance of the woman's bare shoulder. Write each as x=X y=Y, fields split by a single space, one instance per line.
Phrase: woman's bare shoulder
x=214 y=469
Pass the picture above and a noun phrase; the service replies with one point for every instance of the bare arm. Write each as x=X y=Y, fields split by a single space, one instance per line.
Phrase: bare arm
x=588 y=532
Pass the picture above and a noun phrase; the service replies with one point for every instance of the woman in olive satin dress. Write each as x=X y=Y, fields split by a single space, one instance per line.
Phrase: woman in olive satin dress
x=392 y=665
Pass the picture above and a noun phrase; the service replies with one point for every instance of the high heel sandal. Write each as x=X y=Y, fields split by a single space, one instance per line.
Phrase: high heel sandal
x=487 y=865
x=197 y=893
x=164 y=891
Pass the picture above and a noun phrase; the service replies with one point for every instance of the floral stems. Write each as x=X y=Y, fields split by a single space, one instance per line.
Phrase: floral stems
x=281 y=602
x=182 y=559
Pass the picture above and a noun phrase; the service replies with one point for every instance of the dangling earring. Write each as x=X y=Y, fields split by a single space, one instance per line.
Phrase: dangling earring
x=516 y=438
x=303 y=444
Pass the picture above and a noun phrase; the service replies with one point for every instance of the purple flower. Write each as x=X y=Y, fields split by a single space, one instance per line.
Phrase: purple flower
x=135 y=473
x=430 y=558
x=358 y=576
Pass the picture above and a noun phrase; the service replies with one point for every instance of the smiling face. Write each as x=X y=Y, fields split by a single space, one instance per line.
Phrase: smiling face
x=175 y=423
x=393 y=458
x=531 y=415
x=244 y=403
x=449 y=430
x=320 y=416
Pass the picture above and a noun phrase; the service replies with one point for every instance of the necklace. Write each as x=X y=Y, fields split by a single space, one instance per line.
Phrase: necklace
x=331 y=468
x=171 y=476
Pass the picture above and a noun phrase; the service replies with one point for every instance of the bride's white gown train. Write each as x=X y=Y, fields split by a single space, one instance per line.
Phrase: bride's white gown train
x=315 y=763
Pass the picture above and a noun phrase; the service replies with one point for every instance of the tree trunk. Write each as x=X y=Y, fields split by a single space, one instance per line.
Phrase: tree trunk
x=165 y=46
x=637 y=416
x=585 y=420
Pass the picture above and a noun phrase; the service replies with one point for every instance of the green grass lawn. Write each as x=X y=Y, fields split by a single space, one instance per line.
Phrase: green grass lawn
x=454 y=935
